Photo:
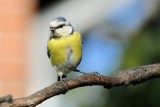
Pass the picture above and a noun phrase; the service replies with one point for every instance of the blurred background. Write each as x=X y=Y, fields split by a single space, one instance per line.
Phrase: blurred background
x=117 y=35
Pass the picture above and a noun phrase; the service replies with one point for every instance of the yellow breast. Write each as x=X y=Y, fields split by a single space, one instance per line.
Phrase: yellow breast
x=58 y=49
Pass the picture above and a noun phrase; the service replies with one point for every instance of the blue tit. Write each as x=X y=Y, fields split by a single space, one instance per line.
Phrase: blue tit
x=64 y=47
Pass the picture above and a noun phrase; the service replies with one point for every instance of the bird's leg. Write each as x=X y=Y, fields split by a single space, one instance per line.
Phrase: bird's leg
x=58 y=78
x=64 y=79
x=64 y=76
x=61 y=77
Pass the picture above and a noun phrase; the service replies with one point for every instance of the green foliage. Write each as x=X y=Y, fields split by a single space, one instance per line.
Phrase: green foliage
x=143 y=49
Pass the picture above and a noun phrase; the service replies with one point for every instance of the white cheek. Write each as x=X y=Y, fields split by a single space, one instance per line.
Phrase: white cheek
x=70 y=30
x=66 y=30
x=59 y=31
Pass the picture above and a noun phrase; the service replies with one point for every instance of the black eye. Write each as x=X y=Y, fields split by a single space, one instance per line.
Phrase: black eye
x=60 y=26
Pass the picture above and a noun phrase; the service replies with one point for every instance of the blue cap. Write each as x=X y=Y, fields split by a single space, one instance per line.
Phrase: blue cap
x=60 y=19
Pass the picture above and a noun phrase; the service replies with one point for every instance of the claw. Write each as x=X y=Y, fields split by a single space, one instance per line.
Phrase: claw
x=65 y=80
x=59 y=78
x=96 y=74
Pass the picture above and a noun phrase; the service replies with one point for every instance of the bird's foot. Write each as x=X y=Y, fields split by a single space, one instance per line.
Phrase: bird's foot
x=65 y=80
x=96 y=74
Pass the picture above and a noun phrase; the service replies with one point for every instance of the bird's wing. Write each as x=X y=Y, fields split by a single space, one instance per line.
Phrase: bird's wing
x=48 y=52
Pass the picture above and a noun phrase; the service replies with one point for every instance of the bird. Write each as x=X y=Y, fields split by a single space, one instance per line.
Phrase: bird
x=64 y=47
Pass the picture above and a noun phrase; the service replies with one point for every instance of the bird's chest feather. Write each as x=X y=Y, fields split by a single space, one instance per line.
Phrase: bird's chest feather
x=65 y=51
x=58 y=52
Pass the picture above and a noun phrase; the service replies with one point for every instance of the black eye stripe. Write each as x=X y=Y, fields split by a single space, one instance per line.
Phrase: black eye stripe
x=60 y=26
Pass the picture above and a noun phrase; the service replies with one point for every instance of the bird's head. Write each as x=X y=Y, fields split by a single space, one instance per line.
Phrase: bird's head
x=61 y=27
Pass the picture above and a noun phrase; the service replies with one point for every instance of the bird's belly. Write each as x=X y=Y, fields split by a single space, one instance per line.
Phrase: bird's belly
x=58 y=57
x=64 y=60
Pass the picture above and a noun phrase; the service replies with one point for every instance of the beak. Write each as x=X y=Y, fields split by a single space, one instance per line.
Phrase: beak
x=52 y=28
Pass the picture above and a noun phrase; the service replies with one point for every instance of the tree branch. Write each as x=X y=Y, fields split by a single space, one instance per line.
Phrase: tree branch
x=122 y=78
x=7 y=98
